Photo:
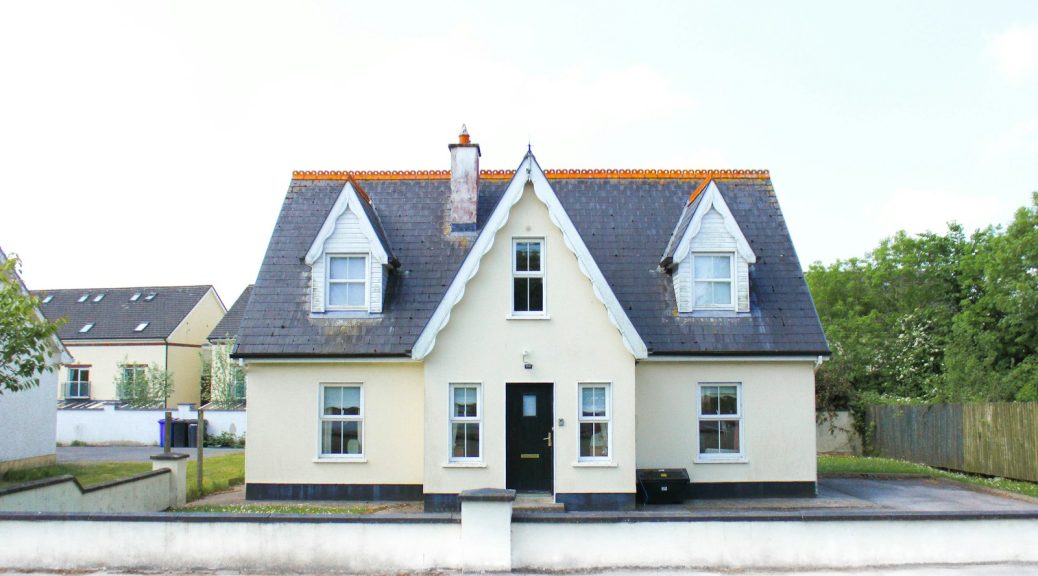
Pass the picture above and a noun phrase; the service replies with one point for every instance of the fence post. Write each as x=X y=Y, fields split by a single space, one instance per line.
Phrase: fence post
x=486 y=529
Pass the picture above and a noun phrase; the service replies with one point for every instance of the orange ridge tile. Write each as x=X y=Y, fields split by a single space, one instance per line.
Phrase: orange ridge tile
x=556 y=174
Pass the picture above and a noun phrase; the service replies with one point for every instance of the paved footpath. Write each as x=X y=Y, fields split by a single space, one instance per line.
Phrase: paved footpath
x=78 y=454
x=969 y=570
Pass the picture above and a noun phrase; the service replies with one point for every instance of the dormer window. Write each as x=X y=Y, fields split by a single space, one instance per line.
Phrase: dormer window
x=348 y=282
x=713 y=281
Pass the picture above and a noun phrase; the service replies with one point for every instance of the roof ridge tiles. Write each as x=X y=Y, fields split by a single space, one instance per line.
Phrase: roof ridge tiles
x=554 y=174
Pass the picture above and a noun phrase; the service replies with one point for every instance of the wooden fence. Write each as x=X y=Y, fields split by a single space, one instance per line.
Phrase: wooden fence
x=999 y=439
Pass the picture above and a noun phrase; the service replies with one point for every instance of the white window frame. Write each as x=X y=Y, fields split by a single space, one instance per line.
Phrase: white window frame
x=328 y=281
x=452 y=419
x=321 y=418
x=79 y=381
x=607 y=419
x=542 y=274
x=731 y=281
x=739 y=456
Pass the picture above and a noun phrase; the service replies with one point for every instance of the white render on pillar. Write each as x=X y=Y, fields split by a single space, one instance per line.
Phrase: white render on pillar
x=464 y=181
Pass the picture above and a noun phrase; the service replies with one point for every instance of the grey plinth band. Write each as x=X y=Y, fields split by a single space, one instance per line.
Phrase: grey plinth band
x=487 y=495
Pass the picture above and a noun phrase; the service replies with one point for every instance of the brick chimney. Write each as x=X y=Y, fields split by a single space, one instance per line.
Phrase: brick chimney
x=464 y=183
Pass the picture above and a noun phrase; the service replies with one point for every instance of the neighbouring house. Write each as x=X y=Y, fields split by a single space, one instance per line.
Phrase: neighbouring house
x=121 y=332
x=226 y=378
x=415 y=334
x=27 y=417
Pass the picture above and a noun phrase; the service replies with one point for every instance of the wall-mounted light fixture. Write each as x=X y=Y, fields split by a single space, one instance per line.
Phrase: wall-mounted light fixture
x=526 y=364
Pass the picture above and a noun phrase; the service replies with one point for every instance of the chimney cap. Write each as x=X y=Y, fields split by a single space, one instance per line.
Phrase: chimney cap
x=463 y=136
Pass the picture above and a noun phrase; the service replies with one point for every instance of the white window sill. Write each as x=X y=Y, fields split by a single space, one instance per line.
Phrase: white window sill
x=595 y=464
x=531 y=317
x=464 y=465
x=736 y=460
x=334 y=460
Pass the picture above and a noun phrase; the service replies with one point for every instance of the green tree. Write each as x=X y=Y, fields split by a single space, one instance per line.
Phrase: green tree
x=143 y=386
x=26 y=339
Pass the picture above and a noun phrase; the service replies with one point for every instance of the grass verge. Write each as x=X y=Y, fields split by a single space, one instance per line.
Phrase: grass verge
x=87 y=474
x=879 y=466
x=281 y=509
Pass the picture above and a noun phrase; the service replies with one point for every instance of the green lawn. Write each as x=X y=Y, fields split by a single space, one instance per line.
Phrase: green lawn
x=219 y=473
x=880 y=466
x=87 y=474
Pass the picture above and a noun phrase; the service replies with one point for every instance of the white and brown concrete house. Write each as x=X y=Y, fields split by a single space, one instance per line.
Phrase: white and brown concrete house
x=28 y=417
x=113 y=331
x=417 y=334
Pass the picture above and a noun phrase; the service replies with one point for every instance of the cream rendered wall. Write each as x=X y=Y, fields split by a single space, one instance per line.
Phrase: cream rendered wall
x=577 y=344
x=185 y=362
x=283 y=424
x=200 y=321
x=777 y=428
x=104 y=361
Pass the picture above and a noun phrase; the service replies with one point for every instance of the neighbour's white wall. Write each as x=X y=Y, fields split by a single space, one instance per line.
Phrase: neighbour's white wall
x=777 y=428
x=283 y=441
x=577 y=344
x=796 y=545
x=836 y=434
x=348 y=238
x=268 y=547
x=27 y=421
x=125 y=426
x=712 y=237
x=104 y=362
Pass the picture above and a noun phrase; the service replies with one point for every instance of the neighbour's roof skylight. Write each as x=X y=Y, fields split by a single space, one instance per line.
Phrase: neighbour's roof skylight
x=48 y=298
x=140 y=327
x=86 y=328
x=83 y=298
x=136 y=296
x=99 y=297
x=150 y=296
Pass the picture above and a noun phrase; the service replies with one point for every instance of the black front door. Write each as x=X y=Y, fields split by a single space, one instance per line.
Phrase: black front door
x=529 y=414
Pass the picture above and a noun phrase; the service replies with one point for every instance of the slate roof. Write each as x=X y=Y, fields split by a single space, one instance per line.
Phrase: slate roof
x=626 y=222
x=231 y=321
x=116 y=316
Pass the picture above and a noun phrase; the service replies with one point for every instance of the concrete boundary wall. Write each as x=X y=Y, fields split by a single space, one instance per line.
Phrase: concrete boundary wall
x=299 y=543
x=111 y=425
x=164 y=487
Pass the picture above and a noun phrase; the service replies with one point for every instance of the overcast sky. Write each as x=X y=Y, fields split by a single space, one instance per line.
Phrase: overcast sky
x=152 y=142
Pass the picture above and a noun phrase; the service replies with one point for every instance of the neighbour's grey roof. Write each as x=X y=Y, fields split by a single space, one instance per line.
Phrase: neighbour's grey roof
x=626 y=222
x=116 y=316
x=231 y=321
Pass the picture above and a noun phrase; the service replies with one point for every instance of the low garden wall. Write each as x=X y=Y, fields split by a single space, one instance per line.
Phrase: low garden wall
x=164 y=487
x=112 y=425
x=486 y=536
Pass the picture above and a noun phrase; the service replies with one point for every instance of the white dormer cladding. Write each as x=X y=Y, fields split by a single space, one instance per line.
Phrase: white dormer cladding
x=347 y=231
x=713 y=231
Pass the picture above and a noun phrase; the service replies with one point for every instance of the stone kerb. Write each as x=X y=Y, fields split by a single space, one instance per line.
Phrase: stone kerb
x=486 y=529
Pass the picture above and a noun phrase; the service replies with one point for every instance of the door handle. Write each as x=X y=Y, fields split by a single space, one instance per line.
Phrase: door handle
x=548 y=439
